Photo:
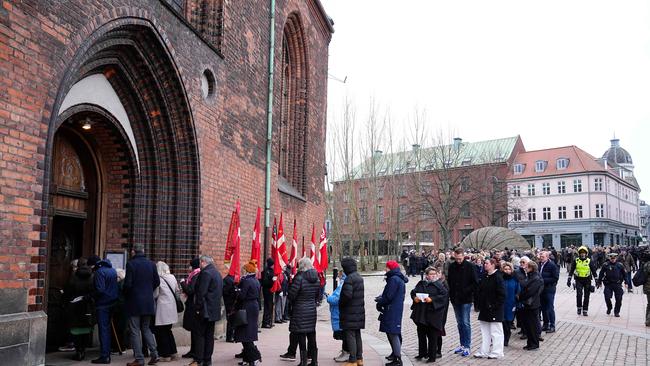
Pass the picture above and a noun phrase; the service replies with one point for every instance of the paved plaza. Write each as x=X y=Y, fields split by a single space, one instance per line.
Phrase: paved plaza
x=598 y=339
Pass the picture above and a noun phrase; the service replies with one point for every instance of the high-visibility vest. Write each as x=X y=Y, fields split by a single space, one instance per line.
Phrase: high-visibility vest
x=582 y=267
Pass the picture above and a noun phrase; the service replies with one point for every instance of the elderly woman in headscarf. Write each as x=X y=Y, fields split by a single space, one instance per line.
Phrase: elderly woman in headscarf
x=248 y=300
x=166 y=313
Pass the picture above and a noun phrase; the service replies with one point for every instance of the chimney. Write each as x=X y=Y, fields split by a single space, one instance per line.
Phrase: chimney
x=416 y=147
x=614 y=142
x=378 y=153
x=457 y=142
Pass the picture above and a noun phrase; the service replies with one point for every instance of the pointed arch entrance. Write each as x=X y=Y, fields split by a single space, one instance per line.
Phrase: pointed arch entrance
x=133 y=176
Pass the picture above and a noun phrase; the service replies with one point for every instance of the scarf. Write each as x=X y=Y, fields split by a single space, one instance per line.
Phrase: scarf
x=192 y=274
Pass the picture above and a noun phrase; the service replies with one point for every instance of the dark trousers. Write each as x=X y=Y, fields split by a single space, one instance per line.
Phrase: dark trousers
x=428 y=338
x=104 y=330
x=507 y=332
x=530 y=325
x=293 y=343
x=547 y=300
x=250 y=352
x=267 y=318
x=230 y=330
x=582 y=293
x=617 y=290
x=355 y=344
x=165 y=340
x=204 y=342
x=193 y=340
x=307 y=344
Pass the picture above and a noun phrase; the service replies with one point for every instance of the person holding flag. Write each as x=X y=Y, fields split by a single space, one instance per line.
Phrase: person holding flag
x=232 y=279
x=322 y=262
x=281 y=278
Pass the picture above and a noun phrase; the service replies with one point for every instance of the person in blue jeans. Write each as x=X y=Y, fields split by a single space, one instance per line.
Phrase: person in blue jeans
x=463 y=281
x=105 y=295
x=550 y=273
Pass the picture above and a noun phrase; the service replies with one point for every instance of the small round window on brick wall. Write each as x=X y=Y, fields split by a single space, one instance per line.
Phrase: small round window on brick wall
x=207 y=84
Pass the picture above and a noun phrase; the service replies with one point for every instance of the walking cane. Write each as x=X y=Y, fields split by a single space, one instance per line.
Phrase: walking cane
x=119 y=347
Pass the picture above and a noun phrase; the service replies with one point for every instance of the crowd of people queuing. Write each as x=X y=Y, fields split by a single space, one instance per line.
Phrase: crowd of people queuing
x=509 y=289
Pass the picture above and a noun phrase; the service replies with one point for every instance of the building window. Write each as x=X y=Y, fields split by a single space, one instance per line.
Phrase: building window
x=363 y=193
x=518 y=168
x=516 y=214
x=380 y=214
x=346 y=196
x=531 y=189
x=561 y=187
x=206 y=16
x=403 y=212
x=516 y=191
x=425 y=211
x=532 y=216
x=577 y=185
x=598 y=184
x=380 y=192
x=363 y=215
x=600 y=210
x=346 y=216
x=546 y=189
x=464 y=211
x=401 y=190
x=540 y=166
x=577 y=211
x=562 y=163
x=561 y=212
x=426 y=187
x=464 y=184
x=294 y=92
x=426 y=236
x=546 y=213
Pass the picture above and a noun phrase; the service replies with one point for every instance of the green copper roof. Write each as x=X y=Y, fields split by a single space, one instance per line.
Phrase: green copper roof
x=437 y=157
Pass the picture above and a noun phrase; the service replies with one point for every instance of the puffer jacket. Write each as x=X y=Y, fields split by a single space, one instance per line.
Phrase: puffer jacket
x=352 y=302
x=80 y=313
x=391 y=302
x=303 y=294
x=105 y=281
x=333 y=300
x=491 y=296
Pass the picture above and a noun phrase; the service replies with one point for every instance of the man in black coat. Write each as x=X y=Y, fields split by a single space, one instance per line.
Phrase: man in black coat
x=267 y=283
x=612 y=274
x=229 y=297
x=529 y=297
x=550 y=274
x=207 y=307
x=352 y=309
x=463 y=281
x=139 y=284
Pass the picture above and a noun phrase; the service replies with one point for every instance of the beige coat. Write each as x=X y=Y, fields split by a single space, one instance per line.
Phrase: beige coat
x=165 y=302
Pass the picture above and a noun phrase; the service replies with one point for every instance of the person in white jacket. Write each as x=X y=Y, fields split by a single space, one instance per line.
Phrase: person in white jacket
x=166 y=314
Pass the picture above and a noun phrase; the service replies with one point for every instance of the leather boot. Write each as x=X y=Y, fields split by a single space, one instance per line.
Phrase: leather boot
x=303 y=359
x=397 y=361
x=314 y=358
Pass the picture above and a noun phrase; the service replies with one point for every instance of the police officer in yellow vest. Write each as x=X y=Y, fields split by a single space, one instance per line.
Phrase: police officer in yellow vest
x=582 y=270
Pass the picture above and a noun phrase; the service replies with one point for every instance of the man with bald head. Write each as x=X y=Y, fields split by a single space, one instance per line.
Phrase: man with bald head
x=550 y=273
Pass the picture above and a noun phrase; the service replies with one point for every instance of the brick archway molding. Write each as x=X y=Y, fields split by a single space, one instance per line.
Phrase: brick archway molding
x=164 y=212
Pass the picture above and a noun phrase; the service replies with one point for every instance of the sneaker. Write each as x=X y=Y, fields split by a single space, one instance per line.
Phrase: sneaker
x=617 y=315
x=609 y=311
x=579 y=311
x=459 y=350
x=67 y=348
x=342 y=357
x=584 y=312
x=288 y=357
x=465 y=352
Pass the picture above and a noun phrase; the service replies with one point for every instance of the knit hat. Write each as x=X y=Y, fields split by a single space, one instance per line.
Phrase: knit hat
x=195 y=263
x=392 y=265
x=250 y=267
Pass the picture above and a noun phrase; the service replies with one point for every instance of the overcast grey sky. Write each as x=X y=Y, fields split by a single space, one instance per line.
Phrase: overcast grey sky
x=555 y=72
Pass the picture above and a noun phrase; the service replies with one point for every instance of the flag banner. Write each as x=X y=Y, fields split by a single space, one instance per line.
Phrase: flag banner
x=294 y=249
x=312 y=249
x=275 y=256
x=235 y=269
x=256 y=247
x=322 y=249
x=230 y=244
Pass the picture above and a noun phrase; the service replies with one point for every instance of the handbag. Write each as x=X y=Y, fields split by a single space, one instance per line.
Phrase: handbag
x=179 y=303
x=240 y=318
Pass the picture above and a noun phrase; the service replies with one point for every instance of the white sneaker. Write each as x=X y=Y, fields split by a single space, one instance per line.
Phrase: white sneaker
x=342 y=357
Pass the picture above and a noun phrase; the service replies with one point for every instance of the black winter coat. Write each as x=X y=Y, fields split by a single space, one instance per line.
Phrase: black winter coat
x=532 y=289
x=207 y=294
x=491 y=296
x=352 y=302
x=248 y=299
x=80 y=314
x=229 y=294
x=462 y=280
x=303 y=294
x=139 y=284
x=189 y=315
x=433 y=314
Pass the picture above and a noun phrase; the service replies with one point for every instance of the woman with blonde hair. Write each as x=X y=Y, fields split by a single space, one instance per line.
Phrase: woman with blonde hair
x=166 y=313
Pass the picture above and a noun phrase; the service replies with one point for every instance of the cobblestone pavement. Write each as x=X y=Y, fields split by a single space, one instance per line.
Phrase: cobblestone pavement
x=598 y=339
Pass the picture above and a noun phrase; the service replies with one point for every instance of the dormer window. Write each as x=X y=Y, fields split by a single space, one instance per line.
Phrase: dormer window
x=466 y=162
x=562 y=163
x=540 y=166
x=518 y=168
